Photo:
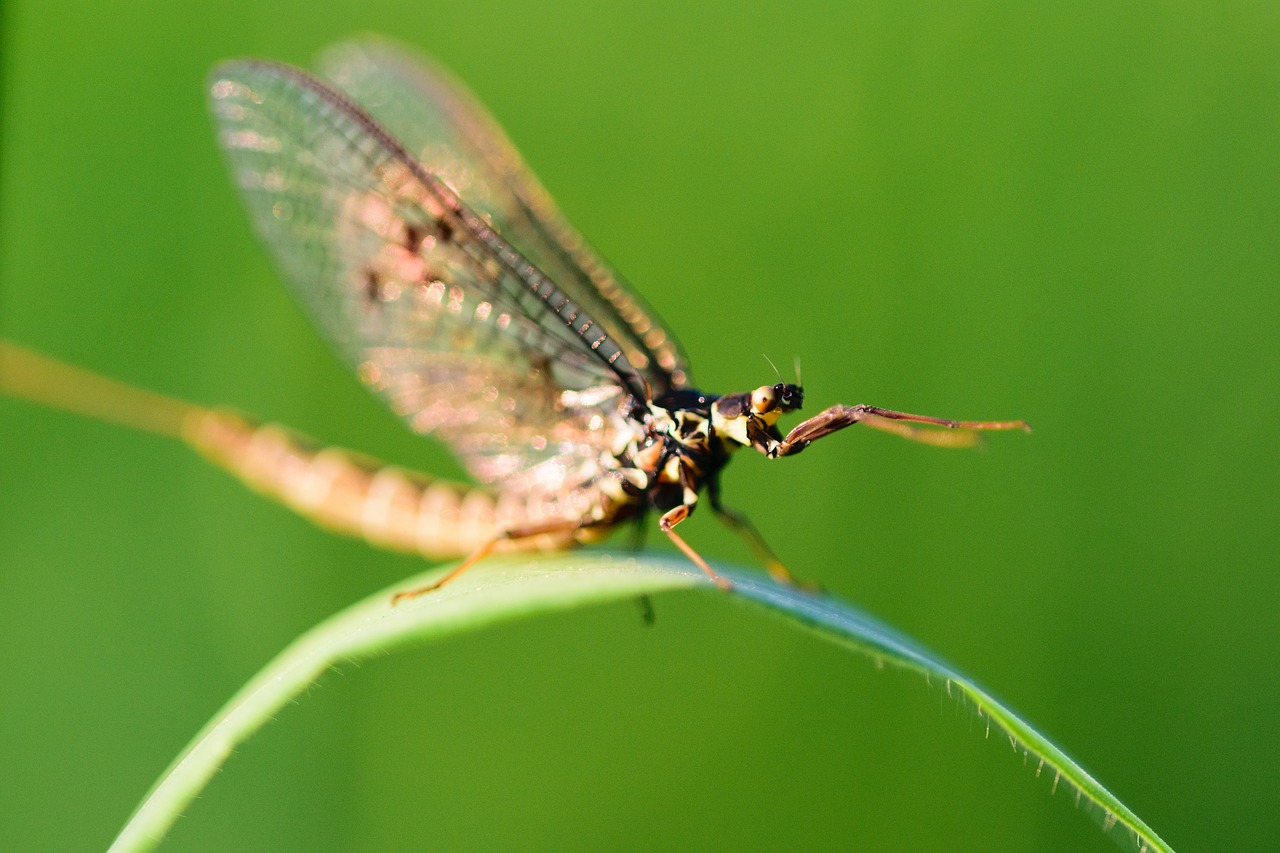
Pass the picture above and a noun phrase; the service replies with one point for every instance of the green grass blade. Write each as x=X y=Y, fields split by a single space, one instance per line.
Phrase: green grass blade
x=513 y=588
x=846 y=625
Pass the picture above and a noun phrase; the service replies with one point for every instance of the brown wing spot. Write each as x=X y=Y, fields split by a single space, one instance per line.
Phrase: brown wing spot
x=445 y=228
x=372 y=287
x=412 y=238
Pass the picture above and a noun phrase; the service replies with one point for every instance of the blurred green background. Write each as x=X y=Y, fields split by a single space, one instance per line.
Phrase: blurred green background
x=969 y=210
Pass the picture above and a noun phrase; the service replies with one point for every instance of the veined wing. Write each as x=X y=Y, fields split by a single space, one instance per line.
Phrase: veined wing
x=454 y=137
x=462 y=335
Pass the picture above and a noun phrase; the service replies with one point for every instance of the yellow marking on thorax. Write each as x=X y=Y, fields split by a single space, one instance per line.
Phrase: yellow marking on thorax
x=734 y=428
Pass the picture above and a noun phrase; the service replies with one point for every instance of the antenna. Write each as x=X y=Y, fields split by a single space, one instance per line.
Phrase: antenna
x=774 y=366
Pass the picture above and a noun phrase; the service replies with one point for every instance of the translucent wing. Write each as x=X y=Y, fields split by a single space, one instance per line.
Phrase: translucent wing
x=451 y=134
x=460 y=333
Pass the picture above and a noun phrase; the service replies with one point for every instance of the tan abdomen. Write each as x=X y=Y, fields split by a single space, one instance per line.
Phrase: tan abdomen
x=359 y=496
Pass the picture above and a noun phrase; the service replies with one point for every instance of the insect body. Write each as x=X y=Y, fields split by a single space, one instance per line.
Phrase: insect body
x=439 y=268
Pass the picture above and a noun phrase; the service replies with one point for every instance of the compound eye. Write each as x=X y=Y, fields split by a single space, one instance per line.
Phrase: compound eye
x=763 y=399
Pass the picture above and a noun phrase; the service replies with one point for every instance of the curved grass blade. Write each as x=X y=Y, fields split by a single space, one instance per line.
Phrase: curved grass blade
x=525 y=586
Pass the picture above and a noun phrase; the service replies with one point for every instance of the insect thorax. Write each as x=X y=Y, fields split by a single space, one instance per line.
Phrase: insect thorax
x=677 y=444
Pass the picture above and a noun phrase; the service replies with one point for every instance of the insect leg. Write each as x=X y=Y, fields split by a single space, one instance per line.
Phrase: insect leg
x=669 y=520
x=838 y=417
x=647 y=614
x=639 y=531
x=512 y=534
x=742 y=525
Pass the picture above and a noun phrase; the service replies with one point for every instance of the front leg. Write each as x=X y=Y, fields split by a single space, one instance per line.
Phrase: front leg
x=763 y=437
x=838 y=417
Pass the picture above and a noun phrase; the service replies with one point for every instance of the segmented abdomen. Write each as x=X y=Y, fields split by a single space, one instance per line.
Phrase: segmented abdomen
x=359 y=496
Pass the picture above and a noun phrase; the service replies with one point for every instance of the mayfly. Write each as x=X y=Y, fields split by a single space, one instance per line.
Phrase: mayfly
x=442 y=272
